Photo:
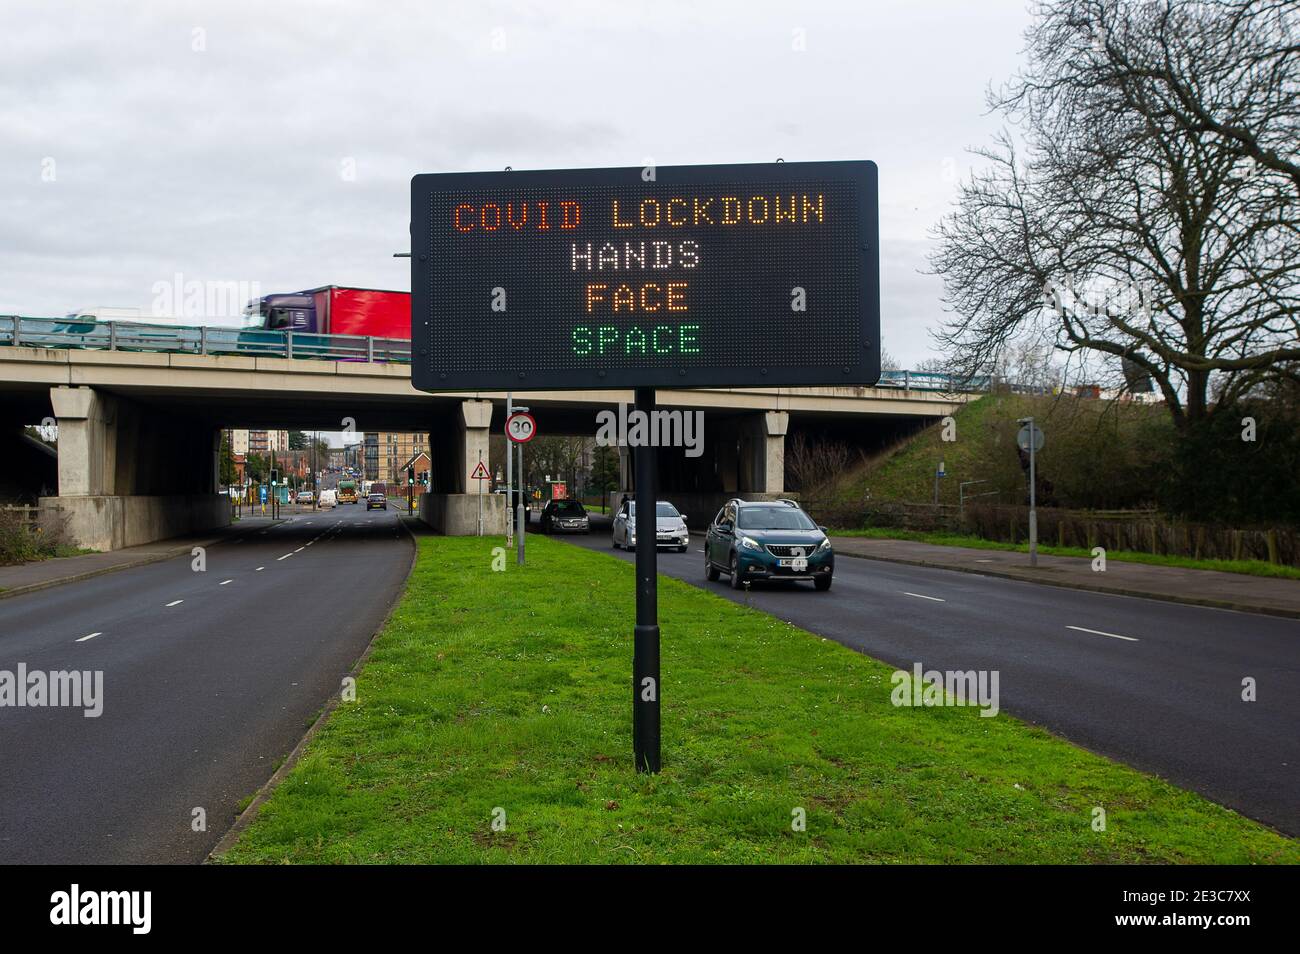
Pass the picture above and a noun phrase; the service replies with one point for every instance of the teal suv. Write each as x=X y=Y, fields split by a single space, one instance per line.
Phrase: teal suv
x=767 y=540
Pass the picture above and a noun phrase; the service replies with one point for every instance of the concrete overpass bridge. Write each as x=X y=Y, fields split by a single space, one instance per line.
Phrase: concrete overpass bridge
x=139 y=431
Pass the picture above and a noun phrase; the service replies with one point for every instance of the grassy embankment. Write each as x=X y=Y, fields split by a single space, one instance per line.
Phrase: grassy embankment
x=511 y=690
x=1094 y=454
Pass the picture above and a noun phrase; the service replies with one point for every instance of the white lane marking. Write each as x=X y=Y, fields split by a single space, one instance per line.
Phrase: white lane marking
x=91 y=636
x=260 y=569
x=285 y=557
x=175 y=602
x=983 y=561
x=922 y=596
x=299 y=550
x=224 y=582
x=1097 y=632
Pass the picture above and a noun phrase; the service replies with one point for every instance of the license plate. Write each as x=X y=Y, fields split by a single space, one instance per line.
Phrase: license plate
x=798 y=564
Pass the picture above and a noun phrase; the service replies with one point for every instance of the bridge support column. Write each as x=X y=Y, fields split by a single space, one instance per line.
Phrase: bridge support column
x=129 y=476
x=767 y=475
x=456 y=514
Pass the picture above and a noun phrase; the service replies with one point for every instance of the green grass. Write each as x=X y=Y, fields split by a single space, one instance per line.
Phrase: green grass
x=907 y=473
x=1247 y=567
x=512 y=690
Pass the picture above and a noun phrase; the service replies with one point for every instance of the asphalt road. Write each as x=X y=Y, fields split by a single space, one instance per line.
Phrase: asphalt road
x=209 y=680
x=1153 y=684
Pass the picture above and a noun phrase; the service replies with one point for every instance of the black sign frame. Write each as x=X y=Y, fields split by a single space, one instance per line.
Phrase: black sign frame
x=837 y=372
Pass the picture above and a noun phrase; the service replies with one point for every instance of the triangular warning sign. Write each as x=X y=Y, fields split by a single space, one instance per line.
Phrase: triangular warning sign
x=480 y=473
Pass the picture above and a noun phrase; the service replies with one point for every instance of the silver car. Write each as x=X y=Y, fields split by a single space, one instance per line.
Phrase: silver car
x=670 y=527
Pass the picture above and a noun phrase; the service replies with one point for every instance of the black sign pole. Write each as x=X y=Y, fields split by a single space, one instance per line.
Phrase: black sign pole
x=645 y=639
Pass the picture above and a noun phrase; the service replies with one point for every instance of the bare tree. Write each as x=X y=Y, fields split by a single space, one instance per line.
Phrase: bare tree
x=1145 y=211
x=811 y=465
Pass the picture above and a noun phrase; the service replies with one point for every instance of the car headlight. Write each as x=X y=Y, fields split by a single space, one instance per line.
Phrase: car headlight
x=749 y=543
x=824 y=545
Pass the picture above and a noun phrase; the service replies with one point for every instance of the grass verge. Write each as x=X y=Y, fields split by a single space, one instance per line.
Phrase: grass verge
x=509 y=693
x=1247 y=567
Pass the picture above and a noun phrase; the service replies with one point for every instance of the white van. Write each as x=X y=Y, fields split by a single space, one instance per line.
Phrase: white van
x=329 y=498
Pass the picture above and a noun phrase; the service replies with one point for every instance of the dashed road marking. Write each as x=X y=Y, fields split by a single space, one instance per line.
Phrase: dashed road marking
x=922 y=596
x=1097 y=632
x=260 y=569
x=224 y=582
x=175 y=602
x=91 y=636
x=285 y=557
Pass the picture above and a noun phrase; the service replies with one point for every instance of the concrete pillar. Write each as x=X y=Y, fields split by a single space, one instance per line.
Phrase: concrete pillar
x=475 y=419
x=87 y=441
x=454 y=505
x=768 y=454
x=131 y=474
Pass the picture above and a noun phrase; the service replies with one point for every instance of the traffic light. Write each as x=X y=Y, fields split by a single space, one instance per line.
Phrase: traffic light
x=410 y=475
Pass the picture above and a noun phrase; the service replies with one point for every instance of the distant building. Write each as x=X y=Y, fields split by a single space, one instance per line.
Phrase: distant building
x=370 y=456
x=247 y=441
x=422 y=464
x=394 y=450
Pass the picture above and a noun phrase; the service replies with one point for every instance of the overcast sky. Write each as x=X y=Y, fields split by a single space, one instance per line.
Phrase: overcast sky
x=274 y=142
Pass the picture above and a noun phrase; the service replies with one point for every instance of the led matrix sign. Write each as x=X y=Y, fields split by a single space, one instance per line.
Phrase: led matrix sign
x=685 y=276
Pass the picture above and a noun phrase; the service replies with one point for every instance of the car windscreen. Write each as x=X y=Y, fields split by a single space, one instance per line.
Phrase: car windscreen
x=773 y=518
x=665 y=509
x=569 y=508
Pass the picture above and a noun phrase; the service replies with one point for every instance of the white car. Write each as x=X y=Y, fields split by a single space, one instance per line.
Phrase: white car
x=670 y=527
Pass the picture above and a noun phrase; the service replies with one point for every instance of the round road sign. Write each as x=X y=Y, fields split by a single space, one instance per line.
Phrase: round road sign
x=1022 y=438
x=521 y=428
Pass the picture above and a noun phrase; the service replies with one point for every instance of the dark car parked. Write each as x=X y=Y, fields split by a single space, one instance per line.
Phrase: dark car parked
x=767 y=540
x=565 y=516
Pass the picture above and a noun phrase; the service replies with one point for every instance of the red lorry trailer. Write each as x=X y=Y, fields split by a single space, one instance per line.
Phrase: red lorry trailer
x=337 y=310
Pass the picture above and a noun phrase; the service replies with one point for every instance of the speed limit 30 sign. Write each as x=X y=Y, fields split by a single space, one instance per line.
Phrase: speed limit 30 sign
x=521 y=428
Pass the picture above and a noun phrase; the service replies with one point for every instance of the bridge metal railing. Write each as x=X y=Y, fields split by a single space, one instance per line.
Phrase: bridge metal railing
x=135 y=336
x=177 y=339
x=932 y=381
